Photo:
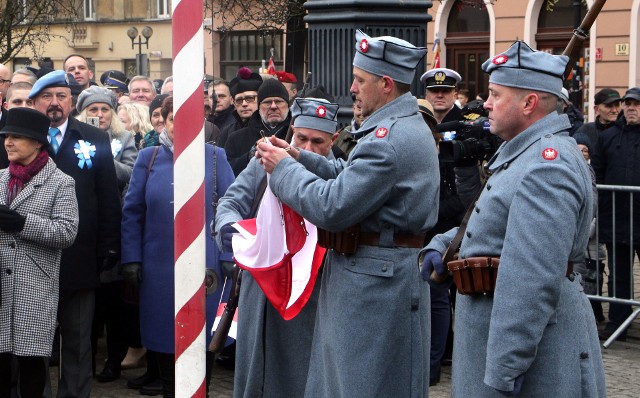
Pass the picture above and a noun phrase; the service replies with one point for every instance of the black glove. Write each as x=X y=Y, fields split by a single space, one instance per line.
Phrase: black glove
x=226 y=233
x=132 y=273
x=11 y=220
x=107 y=262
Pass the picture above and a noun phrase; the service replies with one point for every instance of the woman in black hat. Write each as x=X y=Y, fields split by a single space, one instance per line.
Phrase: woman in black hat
x=38 y=218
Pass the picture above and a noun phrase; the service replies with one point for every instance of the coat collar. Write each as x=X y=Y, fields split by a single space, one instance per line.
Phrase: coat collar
x=553 y=123
x=404 y=105
x=29 y=187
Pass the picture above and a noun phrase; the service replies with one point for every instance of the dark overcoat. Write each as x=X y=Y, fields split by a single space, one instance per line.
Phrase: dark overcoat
x=98 y=203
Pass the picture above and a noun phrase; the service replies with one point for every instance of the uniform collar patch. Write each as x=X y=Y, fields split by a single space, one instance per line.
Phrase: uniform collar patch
x=549 y=154
x=382 y=132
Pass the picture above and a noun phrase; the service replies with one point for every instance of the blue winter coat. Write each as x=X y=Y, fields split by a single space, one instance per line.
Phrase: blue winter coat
x=147 y=237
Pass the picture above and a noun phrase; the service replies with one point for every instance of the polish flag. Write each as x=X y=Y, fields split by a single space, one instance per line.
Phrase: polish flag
x=280 y=250
x=233 y=329
x=271 y=69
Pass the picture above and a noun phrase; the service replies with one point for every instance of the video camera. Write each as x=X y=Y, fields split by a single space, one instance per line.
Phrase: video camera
x=468 y=139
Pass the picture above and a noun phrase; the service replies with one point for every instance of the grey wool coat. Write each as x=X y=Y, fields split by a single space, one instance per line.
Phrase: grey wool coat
x=272 y=355
x=372 y=331
x=30 y=260
x=534 y=213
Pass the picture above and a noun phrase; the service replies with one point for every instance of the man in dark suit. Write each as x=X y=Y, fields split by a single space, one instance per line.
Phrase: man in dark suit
x=84 y=153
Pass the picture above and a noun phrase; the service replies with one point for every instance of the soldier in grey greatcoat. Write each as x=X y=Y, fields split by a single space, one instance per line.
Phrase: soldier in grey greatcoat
x=272 y=355
x=535 y=335
x=372 y=331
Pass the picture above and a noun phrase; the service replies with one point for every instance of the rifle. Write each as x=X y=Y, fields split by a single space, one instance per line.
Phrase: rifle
x=222 y=331
x=580 y=35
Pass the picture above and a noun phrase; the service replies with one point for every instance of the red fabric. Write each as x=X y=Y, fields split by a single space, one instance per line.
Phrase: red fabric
x=20 y=175
x=272 y=67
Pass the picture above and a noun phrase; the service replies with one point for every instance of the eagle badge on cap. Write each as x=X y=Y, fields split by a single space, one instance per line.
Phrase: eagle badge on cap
x=364 y=45
x=549 y=154
x=321 y=111
x=499 y=59
x=439 y=77
x=381 y=132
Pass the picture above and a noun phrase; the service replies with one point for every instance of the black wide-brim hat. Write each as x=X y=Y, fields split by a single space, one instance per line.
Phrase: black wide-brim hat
x=29 y=123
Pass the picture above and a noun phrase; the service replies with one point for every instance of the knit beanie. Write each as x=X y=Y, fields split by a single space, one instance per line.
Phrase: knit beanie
x=156 y=103
x=96 y=94
x=272 y=88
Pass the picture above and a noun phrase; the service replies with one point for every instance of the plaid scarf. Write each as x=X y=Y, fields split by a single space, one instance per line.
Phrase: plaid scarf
x=20 y=175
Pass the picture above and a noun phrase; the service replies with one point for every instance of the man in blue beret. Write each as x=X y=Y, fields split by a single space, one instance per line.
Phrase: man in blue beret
x=533 y=333
x=272 y=355
x=84 y=153
x=372 y=326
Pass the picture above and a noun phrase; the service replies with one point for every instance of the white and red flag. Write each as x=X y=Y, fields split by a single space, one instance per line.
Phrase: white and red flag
x=280 y=250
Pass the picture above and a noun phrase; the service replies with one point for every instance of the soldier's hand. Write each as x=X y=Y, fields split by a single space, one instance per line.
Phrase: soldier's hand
x=269 y=156
x=226 y=233
x=432 y=261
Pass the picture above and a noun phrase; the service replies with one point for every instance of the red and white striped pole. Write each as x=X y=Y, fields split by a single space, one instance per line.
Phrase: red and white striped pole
x=189 y=203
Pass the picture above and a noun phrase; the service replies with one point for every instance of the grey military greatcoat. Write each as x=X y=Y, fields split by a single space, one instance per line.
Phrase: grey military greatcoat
x=30 y=260
x=534 y=213
x=372 y=330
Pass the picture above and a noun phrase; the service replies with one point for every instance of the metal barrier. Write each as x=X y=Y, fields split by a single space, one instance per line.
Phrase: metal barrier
x=612 y=289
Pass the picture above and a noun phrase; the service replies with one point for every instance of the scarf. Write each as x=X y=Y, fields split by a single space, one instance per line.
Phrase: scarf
x=20 y=175
x=164 y=140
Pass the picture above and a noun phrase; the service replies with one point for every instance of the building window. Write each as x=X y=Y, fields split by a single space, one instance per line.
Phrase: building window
x=19 y=63
x=163 y=8
x=88 y=9
x=249 y=49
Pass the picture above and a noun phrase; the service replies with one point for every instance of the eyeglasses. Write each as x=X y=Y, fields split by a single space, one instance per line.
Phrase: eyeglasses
x=278 y=102
x=249 y=99
x=3 y=81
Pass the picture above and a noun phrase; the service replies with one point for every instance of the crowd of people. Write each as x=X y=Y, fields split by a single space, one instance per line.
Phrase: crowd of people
x=86 y=215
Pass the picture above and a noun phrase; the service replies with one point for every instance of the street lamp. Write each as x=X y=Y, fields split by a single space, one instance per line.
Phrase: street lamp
x=141 y=59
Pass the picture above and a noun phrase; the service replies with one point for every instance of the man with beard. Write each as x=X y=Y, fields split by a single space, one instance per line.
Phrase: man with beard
x=84 y=153
x=272 y=118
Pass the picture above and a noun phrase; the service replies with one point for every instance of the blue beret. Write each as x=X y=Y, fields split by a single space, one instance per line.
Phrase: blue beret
x=315 y=113
x=387 y=56
x=522 y=67
x=57 y=78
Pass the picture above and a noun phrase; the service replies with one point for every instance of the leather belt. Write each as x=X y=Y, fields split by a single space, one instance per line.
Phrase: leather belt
x=399 y=240
x=477 y=275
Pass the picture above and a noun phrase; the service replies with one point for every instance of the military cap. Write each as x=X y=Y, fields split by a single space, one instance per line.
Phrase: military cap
x=286 y=77
x=29 y=123
x=57 y=78
x=96 y=94
x=441 y=77
x=632 y=93
x=315 y=113
x=115 y=79
x=387 y=56
x=245 y=80
x=522 y=67
x=606 y=96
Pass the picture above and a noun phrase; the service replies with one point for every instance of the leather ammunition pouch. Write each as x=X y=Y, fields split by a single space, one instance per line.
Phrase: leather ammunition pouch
x=348 y=241
x=477 y=275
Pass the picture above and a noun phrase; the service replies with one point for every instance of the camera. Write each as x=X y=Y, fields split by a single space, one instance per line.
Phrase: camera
x=468 y=139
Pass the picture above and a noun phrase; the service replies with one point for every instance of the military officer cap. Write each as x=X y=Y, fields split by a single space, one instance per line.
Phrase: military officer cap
x=115 y=79
x=57 y=78
x=522 y=67
x=315 y=113
x=441 y=77
x=387 y=56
